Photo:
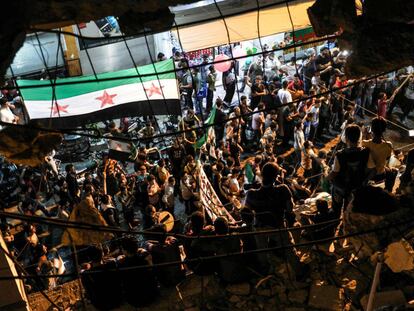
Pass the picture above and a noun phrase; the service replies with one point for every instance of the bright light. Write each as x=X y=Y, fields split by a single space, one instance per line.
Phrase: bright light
x=345 y=53
x=198 y=4
x=411 y=133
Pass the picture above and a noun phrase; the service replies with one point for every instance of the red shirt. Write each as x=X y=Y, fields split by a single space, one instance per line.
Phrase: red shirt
x=295 y=86
x=382 y=108
x=339 y=83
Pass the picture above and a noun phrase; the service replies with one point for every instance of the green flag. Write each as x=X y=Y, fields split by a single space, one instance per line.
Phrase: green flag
x=248 y=171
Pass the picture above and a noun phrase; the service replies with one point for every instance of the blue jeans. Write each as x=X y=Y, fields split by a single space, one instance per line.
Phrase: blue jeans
x=198 y=105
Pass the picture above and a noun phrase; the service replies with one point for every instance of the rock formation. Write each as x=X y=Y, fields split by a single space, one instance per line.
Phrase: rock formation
x=381 y=38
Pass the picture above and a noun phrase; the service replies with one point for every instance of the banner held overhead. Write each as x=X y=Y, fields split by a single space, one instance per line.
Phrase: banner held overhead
x=83 y=103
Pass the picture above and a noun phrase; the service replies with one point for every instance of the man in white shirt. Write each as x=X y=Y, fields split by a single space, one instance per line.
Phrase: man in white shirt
x=316 y=80
x=284 y=95
x=298 y=141
x=6 y=115
x=168 y=197
x=271 y=66
x=258 y=119
x=285 y=98
x=315 y=120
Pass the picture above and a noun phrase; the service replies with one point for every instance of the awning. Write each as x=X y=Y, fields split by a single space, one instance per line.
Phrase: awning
x=244 y=26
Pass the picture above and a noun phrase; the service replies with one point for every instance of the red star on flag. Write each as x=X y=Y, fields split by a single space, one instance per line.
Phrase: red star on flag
x=106 y=99
x=57 y=109
x=153 y=90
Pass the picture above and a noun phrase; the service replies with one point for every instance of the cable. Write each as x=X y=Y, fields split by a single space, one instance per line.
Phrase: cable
x=140 y=79
x=54 y=81
x=49 y=74
x=293 y=37
x=169 y=71
x=235 y=254
x=373 y=113
x=258 y=29
x=158 y=80
x=25 y=275
x=93 y=227
x=366 y=109
x=87 y=55
x=231 y=51
x=230 y=254
x=202 y=120
x=167 y=28
x=404 y=147
x=123 y=139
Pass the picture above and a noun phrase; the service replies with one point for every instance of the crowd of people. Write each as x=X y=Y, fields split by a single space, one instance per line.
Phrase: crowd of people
x=258 y=154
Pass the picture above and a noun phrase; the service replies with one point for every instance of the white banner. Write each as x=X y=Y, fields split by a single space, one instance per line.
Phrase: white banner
x=209 y=199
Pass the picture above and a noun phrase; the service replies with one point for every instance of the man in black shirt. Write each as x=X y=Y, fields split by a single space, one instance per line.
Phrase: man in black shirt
x=323 y=64
x=289 y=114
x=140 y=285
x=102 y=288
x=258 y=91
x=272 y=204
x=176 y=156
x=73 y=187
x=219 y=119
x=351 y=169
x=309 y=69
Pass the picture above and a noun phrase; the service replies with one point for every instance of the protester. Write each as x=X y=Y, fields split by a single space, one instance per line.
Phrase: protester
x=238 y=173
x=211 y=81
x=350 y=169
x=380 y=152
x=103 y=289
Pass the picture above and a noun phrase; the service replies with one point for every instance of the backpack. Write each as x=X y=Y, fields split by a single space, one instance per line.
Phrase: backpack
x=353 y=163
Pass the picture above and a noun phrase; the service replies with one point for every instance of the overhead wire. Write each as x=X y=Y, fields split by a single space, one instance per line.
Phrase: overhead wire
x=100 y=228
x=233 y=64
x=202 y=119
x=283 y=247
x=53 y=99
x=87 y=55
x=159 y=83
x=142 y=83
x=55 y=78
x=254 y=251
x=192 y=80
x=190 y=67
x=166 y=28
x=72 y=82
x=343 y=97
x=25 y=275
x=293 y=36
x=234 y=254
x=124 y=139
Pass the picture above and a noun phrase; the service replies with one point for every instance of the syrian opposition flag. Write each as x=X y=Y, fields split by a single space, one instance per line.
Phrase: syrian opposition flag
x=121 y=151
x=87 y=102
